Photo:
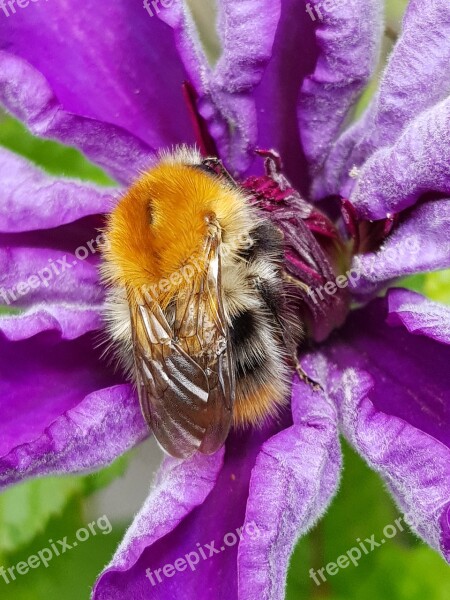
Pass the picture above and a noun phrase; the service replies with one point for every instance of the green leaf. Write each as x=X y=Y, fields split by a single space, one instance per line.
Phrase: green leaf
x=102 y=478
x=395 y=10
x=435 y=286
x=414 y=282
x=70 y=575
x=9 y=310
x=51 y=156
x=25 y=509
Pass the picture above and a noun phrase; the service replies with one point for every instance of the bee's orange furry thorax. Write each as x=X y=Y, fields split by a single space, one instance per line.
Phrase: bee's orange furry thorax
x=161 y=223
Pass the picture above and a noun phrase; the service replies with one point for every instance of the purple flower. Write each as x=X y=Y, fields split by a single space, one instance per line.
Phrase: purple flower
x=106 y=77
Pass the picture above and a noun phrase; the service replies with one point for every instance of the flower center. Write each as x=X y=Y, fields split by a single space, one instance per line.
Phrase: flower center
x=315 y=254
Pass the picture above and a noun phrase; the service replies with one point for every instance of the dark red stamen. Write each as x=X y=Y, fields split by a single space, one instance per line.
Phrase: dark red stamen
x=303 y=267
x=205 y=141
x=274 y=159
x=389 y=224
x=367 y=236
x=273 y=194
x=351 y=223
x=311 y=244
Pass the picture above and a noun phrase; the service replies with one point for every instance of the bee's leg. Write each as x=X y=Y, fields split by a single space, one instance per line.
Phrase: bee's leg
x=217 y=165
x=304 y=377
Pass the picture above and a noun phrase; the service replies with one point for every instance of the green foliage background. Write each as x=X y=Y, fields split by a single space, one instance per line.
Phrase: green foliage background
x=51 y=508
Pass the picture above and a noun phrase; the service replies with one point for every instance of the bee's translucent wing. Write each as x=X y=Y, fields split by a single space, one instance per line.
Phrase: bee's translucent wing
x=183 y=368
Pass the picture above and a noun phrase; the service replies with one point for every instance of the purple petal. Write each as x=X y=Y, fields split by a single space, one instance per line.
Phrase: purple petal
x=55 y=288
x=255 y=84
x=168 y=527
x=54 y=419
x=179 y=17
x=103 y=61
x=419 y=244
x=71 y=321
x=244 y=57
x=91 y=435
x=418 y=315
x=294 y=56
x=395 y=177
x=261 y=96
x=240 y=69
x=415 y=79
x=32 y=275
x=31 y=200
x=295 y=476
x=348 y=36
x=392 y=390
x=26 y=94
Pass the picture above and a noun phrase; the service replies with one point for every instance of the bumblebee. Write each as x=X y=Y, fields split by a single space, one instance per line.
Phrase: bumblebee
x=197 y=306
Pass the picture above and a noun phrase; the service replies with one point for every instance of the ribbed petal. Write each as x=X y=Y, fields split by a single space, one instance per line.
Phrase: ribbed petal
x=416 y=78
x=51 y=276
x=26 y=94
x=241 y=65
x=91 y=435
x=419 y=244
x=180 y=488
x=240 y=69
x=418 y=316
x=179 y=17
x=59 y=413
x=32 y=200
x=255 y=84
x=295 y=476
x=294 y=56
x=70 y=321
x=168 y=528
x=32 y=275
x=348 y=36
x=110 y=61
x=388 y=374
x=395 y=177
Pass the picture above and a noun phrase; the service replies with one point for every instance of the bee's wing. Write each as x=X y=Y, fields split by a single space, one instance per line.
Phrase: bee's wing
x=184 y=372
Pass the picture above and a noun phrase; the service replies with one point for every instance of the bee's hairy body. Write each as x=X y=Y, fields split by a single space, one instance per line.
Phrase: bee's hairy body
x=155 y=247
